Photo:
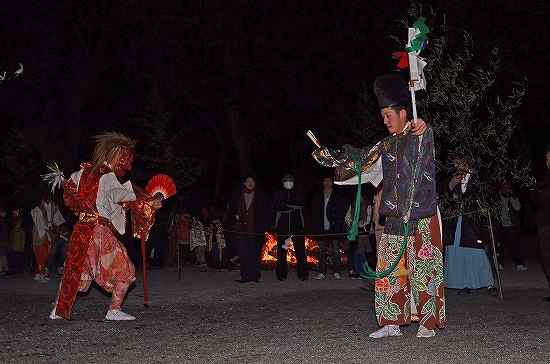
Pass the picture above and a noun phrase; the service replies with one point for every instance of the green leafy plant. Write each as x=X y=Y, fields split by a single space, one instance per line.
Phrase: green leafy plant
x=467 y=112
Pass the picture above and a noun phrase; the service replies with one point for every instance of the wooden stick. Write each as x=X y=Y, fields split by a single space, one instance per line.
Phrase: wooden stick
x=313 y=139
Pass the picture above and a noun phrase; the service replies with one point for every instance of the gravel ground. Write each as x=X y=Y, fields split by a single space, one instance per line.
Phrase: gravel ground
x=207 y=318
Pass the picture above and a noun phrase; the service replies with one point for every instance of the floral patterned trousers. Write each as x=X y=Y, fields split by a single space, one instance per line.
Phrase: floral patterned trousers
x=419 y=274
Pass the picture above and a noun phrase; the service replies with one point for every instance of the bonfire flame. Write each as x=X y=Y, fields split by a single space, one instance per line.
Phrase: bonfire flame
x=269 y=251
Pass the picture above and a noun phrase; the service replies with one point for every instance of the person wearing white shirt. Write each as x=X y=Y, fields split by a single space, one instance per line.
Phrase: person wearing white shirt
x=46 y=219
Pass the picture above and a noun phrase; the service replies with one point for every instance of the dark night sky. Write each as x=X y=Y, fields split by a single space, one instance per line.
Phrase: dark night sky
x=285 y=68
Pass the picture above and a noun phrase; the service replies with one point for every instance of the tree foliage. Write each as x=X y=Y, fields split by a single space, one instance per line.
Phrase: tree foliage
x=240 y=83
x=162 y=149
x=468 y=113
x=20 y=170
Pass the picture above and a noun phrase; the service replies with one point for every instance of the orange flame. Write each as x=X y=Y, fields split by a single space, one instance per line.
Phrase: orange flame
x=269 y=250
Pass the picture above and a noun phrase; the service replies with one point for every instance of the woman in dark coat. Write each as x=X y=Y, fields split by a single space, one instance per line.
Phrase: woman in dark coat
x=466 y=264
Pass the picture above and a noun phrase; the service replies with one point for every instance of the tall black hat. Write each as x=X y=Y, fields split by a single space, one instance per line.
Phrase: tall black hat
x=391 y=90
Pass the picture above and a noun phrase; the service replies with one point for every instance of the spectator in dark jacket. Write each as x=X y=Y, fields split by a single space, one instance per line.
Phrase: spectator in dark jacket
x=289 y=221
x=158 y=238
x=541 y=196
x=247 y=216
x=328 y=210
x=507 y=227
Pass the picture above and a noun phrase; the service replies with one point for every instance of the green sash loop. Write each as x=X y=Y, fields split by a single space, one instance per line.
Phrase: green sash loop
x=354 y=229
x=372 y=274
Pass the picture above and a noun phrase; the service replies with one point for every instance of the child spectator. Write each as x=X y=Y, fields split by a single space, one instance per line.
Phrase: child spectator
x=4 y=242
x=18 y=240
x=183 y=229
x=215 y=240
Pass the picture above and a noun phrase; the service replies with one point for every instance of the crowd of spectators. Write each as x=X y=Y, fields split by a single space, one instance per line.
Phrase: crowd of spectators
x=206 y=236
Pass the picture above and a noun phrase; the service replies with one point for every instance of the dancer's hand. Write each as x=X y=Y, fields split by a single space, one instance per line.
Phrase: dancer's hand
x=157 y=203
x=419 y=127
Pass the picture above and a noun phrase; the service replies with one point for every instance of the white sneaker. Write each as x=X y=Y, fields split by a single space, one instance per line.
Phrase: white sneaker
x=320 y=276
x=388 y=330
x=46 y=272
x=424 y=332
x=500 y=267
x=41 y=278
x=60 y=270
x=336 y=275
x=53 y=316
x=118 y=315
x=521 y=268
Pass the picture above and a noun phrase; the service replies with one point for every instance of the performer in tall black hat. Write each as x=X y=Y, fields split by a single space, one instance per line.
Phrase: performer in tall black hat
x=409 y=204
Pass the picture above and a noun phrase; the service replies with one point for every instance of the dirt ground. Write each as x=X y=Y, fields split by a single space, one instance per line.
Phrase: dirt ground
x=207 y=318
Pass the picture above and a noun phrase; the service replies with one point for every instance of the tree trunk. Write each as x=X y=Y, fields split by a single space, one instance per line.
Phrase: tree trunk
x=221 y=165
x=244 y=156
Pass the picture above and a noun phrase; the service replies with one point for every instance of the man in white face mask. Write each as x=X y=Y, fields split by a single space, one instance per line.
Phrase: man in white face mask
x=288 y=204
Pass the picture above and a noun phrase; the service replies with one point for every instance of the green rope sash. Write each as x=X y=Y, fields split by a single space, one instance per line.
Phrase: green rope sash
x=354 y=229
x=369 y=273
x=372 y=274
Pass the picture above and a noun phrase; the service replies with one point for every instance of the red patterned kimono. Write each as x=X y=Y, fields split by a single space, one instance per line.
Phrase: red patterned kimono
x=94 y=253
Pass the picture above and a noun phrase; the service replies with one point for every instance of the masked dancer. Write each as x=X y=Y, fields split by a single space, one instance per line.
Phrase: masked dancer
x=98 y=196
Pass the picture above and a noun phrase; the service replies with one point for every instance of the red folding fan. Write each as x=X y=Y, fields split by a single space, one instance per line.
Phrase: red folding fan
x=162 y=184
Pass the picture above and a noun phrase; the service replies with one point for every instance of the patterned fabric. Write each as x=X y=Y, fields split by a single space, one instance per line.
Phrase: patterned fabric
x=108 y=264
x=402 y=154
x=143 y=214
x=215 y=229
x=405 y=158
x=80 y=200
x=41 y=222
x=94 y=253
x=408 y=194
x=197 y=234
x=42 y=253
x=419 y=274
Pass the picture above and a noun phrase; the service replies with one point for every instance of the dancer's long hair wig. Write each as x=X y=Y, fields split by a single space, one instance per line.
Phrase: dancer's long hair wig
x=108 y=149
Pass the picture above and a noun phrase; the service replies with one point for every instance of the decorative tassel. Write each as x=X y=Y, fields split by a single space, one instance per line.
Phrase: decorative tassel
x=55 y=178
